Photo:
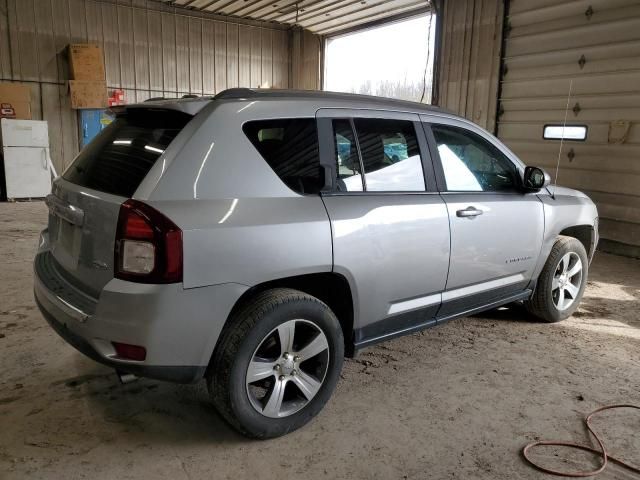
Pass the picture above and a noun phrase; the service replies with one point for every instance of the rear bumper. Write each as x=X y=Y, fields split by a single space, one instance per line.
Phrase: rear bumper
x=178 y=327
x=178 y=374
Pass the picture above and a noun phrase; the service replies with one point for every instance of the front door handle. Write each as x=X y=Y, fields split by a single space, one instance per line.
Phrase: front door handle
x=469 y=212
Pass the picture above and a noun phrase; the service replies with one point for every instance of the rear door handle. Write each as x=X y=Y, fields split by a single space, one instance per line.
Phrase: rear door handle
x=469 y=212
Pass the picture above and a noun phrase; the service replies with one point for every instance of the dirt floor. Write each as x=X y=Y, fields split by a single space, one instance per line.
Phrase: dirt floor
x=457 y=401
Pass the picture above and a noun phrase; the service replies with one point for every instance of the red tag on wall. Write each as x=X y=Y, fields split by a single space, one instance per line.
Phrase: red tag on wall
x=7 y=110
x=116 y=98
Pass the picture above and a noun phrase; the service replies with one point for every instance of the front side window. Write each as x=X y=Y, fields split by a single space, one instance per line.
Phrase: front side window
x=390 y=155
x=472 y=164
x=290 y=147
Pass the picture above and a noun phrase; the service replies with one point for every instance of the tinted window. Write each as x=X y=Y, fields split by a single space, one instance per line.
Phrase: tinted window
x=119 y=158
x=347 y=160
x=390 y=155
x=471 y=164
x=290 y=147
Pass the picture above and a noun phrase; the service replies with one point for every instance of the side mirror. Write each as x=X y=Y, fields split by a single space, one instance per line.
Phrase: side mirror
x=535 y=179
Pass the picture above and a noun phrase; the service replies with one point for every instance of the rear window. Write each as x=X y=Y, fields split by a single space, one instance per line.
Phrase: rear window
x=119 y=158
x=290 y=147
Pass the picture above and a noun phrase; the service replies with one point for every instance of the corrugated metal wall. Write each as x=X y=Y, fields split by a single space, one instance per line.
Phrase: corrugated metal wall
x=306 y=49
x=471 y=35
x=150 y=50
x=545 y=44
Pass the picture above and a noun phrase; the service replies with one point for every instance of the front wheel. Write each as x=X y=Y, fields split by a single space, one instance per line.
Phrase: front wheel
x=277 y=364
x=562 y=281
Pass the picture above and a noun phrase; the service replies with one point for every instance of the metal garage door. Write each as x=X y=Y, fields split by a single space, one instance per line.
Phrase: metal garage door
x=597 y=44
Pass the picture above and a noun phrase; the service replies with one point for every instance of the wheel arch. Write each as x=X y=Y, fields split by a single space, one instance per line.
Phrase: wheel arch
x=585 y=234
x=329 y=287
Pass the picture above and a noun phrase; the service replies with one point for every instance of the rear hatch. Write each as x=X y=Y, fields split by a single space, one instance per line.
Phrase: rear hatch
x=85 y=203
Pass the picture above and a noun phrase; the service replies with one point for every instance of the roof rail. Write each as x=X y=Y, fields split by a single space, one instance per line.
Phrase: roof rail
x=189 y=95
x=256 y=93
x=235 y=93
x=154 y=98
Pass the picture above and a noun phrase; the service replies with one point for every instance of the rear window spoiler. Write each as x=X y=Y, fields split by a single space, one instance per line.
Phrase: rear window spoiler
x=190 y=106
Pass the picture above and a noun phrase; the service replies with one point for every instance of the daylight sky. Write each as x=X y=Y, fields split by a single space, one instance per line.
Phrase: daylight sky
x=390 y=52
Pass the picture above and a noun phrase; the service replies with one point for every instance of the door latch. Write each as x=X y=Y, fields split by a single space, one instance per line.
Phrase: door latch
x=469 y=212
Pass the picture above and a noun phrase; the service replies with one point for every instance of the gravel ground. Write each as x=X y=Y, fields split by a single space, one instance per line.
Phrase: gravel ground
x=457 y=401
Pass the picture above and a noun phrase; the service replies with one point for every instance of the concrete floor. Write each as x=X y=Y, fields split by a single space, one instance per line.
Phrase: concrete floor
x=458 y=401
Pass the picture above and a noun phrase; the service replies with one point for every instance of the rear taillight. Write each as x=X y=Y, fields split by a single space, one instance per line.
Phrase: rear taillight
x=148 y=245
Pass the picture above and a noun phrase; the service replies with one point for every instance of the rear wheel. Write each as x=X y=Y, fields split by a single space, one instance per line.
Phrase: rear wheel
x=561 y=282
x=277 y=364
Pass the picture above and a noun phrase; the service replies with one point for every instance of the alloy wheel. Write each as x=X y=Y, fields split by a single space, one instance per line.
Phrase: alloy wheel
x=288 y=368
x=567 y=280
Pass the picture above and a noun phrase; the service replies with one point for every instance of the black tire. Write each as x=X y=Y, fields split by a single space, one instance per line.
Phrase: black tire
x=542 y=303
x=246 y=331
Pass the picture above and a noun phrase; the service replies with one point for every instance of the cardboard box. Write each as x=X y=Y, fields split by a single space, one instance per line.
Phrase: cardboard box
x=15 y=101
x=88 y=94
x=86 y=62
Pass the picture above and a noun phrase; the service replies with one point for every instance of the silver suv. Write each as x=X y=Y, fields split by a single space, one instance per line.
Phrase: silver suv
x=255 y=238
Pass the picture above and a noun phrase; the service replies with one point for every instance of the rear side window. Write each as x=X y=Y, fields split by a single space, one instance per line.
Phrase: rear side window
x=390 y=155
x=349 y=178
x=290 y=147
x=119 y=158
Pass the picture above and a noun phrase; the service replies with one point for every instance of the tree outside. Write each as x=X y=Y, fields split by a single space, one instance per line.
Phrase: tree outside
x=394 y=61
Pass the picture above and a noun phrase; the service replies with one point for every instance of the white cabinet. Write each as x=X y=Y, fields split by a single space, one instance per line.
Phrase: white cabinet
x=27 y=172
x=25 y=149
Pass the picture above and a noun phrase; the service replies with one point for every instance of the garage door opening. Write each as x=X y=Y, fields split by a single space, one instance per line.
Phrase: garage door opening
x=394 y=60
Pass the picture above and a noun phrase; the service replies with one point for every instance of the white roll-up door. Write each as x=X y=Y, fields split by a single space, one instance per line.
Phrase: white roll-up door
x=596 y=44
